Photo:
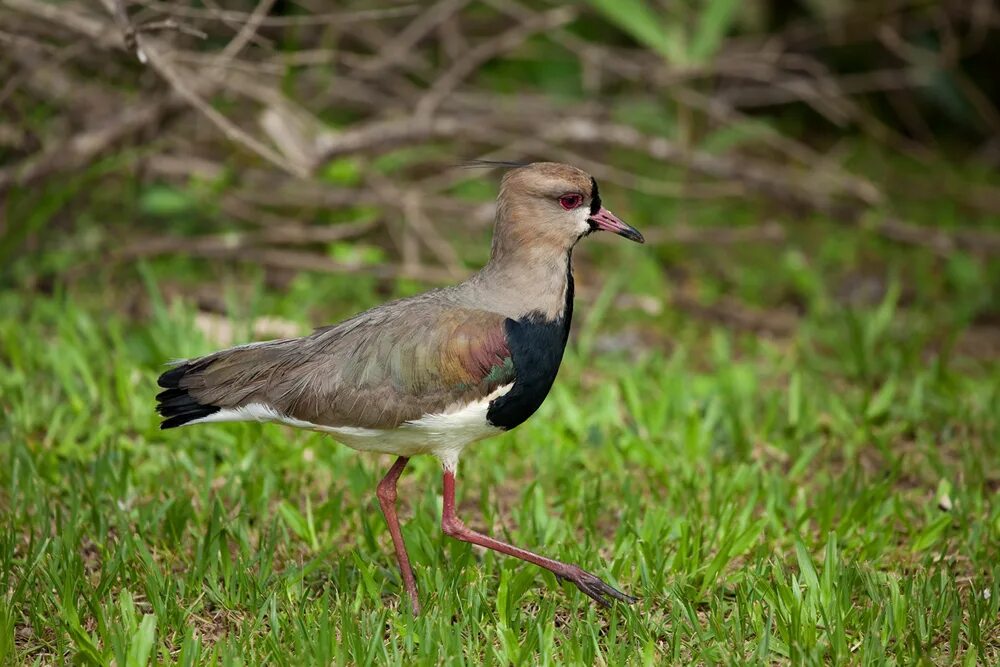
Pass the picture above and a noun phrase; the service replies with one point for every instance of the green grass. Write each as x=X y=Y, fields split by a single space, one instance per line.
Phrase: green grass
x=767 y=500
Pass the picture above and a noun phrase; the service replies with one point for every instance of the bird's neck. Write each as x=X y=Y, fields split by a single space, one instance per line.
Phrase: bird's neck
x=529 y=282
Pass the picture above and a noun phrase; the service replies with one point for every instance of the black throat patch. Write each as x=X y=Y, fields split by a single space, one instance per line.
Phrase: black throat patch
x=595 y=197
x=536 y=347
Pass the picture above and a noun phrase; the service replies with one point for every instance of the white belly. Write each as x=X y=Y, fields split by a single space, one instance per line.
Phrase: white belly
x=444 y=434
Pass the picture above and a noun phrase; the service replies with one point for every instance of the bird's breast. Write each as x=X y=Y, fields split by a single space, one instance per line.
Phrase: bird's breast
x=537 y=347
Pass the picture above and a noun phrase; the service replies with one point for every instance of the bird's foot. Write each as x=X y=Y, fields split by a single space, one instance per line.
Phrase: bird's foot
x=593 y=586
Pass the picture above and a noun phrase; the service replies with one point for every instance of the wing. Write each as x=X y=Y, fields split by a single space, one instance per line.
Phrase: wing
x=378 y=370
x=406 y=364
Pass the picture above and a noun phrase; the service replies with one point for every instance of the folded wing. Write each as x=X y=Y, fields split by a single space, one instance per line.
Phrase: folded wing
x=377 y=370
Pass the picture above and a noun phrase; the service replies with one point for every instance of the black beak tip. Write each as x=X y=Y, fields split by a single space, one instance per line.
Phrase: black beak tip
x=633 y=234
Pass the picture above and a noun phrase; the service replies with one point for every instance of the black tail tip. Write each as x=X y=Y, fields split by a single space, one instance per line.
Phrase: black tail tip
x=172 y=378
x=175 y=404
x=186 y=418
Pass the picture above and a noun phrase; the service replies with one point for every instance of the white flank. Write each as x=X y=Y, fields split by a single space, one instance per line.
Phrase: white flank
x=443 y=434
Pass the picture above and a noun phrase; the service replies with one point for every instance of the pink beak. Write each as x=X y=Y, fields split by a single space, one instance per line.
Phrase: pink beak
x=609 y=222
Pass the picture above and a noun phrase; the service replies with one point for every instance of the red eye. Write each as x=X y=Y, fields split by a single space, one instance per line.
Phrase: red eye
x=569 y=202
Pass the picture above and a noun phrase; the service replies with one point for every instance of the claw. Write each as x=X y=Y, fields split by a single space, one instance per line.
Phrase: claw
x=596 y=588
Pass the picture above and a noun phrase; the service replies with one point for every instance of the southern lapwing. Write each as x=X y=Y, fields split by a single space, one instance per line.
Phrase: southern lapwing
x=430 y=374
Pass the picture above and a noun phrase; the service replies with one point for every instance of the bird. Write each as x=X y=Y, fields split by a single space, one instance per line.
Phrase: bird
x=433 y=373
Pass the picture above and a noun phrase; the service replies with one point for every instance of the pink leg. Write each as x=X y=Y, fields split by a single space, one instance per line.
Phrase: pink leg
x=386 y=493
x=585 y=581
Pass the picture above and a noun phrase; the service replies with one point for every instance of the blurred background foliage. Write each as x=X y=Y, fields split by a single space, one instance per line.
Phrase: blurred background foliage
x=283 y=135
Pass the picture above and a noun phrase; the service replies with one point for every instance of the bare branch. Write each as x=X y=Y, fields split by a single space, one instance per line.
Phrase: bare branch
x=486 y=51
x=178 y=81
x=321 y=18
x=400 y=45
x=85 y=147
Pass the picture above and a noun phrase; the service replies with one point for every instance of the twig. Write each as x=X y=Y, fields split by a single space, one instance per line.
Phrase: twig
x=170 y=25
x=237 y=26
x=428 y=233
x=41 y=70
x=247 y=32
x=118 y=12
x=400 y=45
x=486 y=51
x=173 y=76
x=768 y=232
x=325 y=18
x=388 y=134
x=223 y=244
x=265 y=189
x=799 y=89
x=978 y=241
x=98 y=31
x=149 y=51
x=86 y=146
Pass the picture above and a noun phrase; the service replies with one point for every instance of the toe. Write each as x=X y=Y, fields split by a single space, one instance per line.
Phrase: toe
x=598 y=590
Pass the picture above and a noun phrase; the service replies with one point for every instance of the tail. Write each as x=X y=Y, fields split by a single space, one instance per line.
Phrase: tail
x=223 y=382
x=175 y=403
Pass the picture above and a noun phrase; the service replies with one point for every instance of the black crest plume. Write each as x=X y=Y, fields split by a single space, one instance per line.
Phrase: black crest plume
x=488 y=164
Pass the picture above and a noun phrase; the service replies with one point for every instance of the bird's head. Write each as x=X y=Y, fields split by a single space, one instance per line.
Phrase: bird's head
x=553 y=205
